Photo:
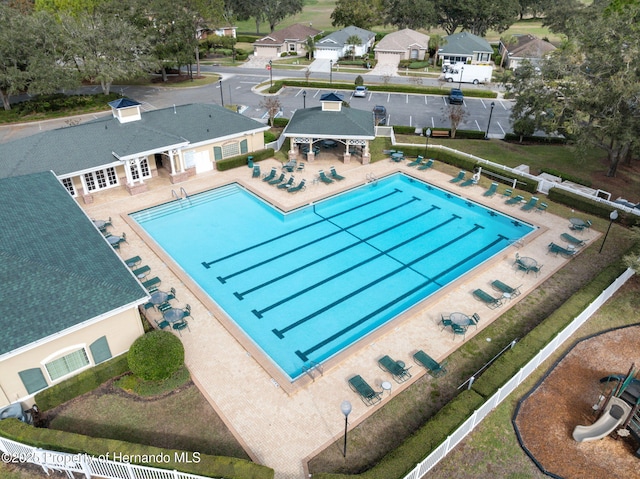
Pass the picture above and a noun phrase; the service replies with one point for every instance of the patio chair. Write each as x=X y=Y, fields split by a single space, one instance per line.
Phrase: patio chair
x=324 y=178
x=148 y=305
x=166 y=306
x=487 y=299
x=181 y=325
x=334 y=174
x=535 y=269
x=277 y=180
x=459 y=330
x=396 y=369
x=290 y=165
x=557 y=249
x=434 y=368
x=444 y=321
x=530 y=205
x=425 y=166
x=475 y=319
x=162 y=324
x=256 y=172
x=541 y=208
x=132 y=262
x=366 y=392
x=288 y=183
x=416 y=162
x=507 y=193
x=186 y=311
x=505 y=288
x=515 y=200
x=272 y=174
x=491 y=191
x=300 y=167
x=458 y=178
x=298 y=187
x=572 y=239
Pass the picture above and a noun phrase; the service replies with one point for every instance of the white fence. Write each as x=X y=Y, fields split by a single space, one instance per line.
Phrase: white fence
x=479 y=414
x=91 y=466
x=276 y=145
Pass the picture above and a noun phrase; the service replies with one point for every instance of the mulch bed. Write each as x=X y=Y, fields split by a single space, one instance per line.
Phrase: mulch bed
x=564 y=399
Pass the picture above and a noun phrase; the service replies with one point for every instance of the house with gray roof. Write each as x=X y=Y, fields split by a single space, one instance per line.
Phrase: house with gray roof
x=404 y=44
x=68 y=301
x=334 y=46
x=130 y=147
x=526 y=47
x=292 y=39
x=464 y=47
x=331 y=125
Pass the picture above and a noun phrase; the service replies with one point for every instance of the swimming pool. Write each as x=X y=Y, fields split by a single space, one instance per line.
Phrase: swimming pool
x=307 y=284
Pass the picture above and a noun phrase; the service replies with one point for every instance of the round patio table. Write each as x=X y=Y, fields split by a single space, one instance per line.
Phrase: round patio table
x=577 y=222
x=172 y=315
x=100 y=224
x=328 y=143
x=397 y=156
x=386 y=386
x=527 y=262
x=114 y=239
x=159 y=297
x=460 y=319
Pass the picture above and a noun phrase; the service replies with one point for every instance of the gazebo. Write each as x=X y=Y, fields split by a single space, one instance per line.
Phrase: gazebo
x=329 y=126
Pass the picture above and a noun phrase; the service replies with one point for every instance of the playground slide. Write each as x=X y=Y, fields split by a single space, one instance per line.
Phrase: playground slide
x=615 y=414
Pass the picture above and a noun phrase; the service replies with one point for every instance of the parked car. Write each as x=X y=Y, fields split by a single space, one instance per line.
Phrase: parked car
x=361 y=91
x=380 y=115
x=456 y=96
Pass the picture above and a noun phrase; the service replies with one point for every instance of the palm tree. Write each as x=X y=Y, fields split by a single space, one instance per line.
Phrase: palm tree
x=353 y=41
x=435 y=42
x=310 y=46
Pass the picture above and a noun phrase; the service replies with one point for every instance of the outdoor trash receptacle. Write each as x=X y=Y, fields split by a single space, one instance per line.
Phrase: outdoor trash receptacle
x=250 y=161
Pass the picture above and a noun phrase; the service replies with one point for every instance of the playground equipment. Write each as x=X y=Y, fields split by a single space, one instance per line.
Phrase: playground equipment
x=619 y=411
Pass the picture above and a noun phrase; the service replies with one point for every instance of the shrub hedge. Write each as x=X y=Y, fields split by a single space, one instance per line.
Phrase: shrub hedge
x=513 y=138
x=208 y=466
x=592 y=207
x=241 y=160
x=280 y=122
x=82 y=383
x=156 y=355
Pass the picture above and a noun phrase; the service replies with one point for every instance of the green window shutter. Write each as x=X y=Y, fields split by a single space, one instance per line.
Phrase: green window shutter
x=100 y=350
x=243 y=147
x=217 y=153
x=33 y=380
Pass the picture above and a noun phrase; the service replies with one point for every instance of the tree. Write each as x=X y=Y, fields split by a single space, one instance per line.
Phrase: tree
x=476 y=16
x=155 y=356
x=275 y=11
x=415 y=14
x=273 y=106
x=360 y=13
x=106 y=48
x=435 y=42
x=310 y=46
x=455 y=114
x=353 y=41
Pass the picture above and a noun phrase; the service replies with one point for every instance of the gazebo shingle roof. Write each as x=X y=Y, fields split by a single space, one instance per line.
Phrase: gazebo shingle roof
x=347 y=123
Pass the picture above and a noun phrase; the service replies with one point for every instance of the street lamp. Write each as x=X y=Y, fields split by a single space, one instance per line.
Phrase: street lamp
x=486 y=136
x=271 y=72
x=612 y=217
x=330 y=72
x=304 y=98
x=460 y=82
x=428 y=134
x=221 y=97
x=345 y=407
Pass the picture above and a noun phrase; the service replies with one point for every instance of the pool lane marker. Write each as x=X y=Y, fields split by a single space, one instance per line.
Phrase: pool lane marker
x=207 y=264
x=303 y=355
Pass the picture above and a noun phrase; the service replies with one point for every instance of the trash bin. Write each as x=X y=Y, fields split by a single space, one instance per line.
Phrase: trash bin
x=250 y=161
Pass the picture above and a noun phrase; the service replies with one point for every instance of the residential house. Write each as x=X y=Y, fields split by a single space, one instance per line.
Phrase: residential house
x=334 y=46
x=526 y=47
x=464 y=47
x=129 y=147
x=405 y=44
x=292 y=39
x=68 y=301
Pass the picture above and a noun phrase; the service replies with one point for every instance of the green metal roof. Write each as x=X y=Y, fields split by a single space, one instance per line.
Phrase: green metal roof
x=346 y=123
x=90 y=146
x=57 y=269
x=464 y=43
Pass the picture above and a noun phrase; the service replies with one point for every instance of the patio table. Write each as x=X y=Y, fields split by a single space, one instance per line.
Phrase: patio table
x=397 y=156
x=460 y=319
x=114 y=239
x=159 y=297
x=328 y=143
x=174 y=314
x=100 y=224
x=580 y=223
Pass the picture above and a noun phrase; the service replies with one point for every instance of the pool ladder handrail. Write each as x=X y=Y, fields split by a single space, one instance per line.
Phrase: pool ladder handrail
x=179 y=196
x=371 y=178
x=313 y=366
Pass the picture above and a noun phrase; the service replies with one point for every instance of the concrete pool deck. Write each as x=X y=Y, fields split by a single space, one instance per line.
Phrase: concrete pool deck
x=282 y=426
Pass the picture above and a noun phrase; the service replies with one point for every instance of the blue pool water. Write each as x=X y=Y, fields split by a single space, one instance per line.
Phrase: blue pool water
x=307 y=284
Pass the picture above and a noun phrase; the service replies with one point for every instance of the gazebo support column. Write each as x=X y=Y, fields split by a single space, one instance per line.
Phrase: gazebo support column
x=180 y=175
x=366 y=156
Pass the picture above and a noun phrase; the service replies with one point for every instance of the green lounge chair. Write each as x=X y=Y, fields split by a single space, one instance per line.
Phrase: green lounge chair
x=530 y=205
x=416 y=162
x=458 y=178
x=397 y=370
x=515 y=200
x=272 y=174
x=572 y=239
x=151 y=284
x=277 y=180
x=298 y=187
x=366 y=392
x=491 y=191
x=427 y=165
x=288 y=183
x=434 y=368
x=541 y=208
x=132 y=262
x=469 y=182
x=334 y=174
x=557 y=249
x=324 y=178
x=507 y=193
x=256 y=172
x=487 y=299
x=141 y=272
x=505 y=288
x=459 y=330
